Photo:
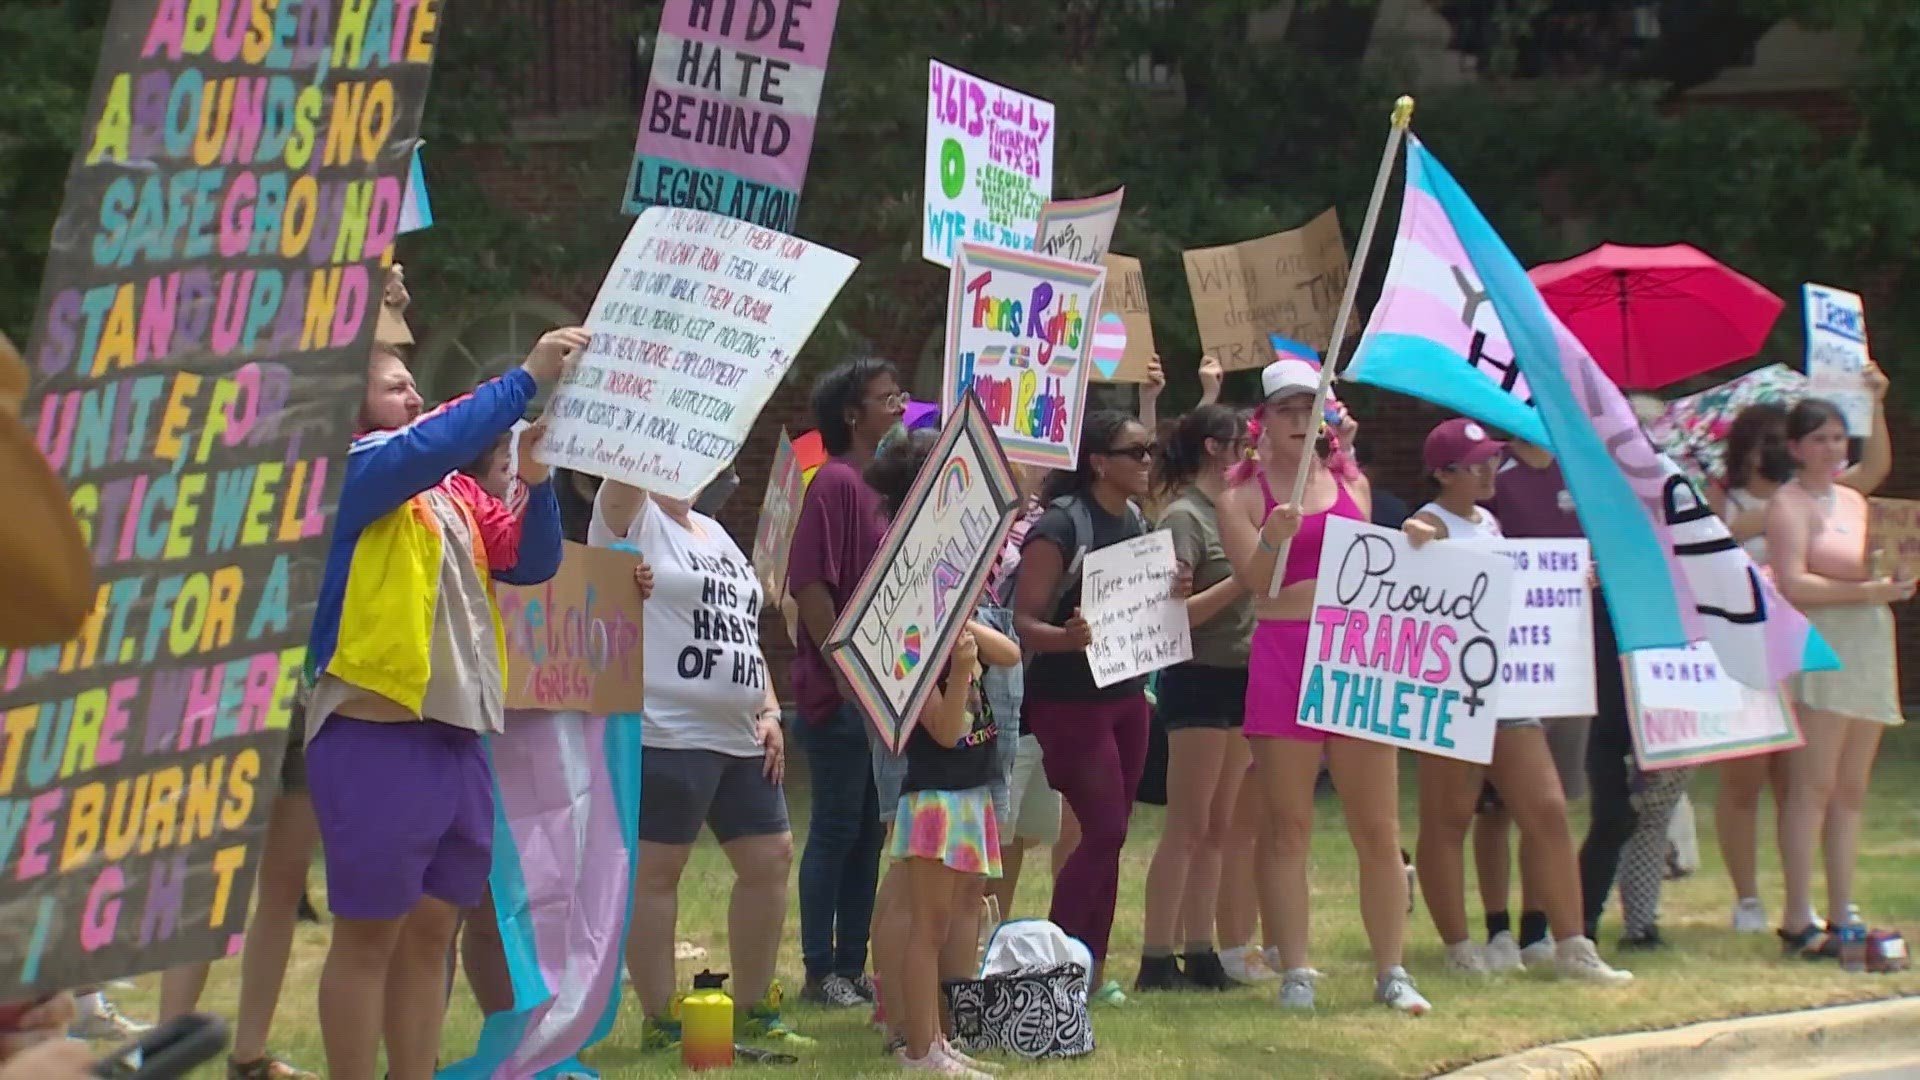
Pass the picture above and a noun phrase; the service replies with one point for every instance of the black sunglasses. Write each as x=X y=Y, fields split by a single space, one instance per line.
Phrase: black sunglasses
x=1142 y=453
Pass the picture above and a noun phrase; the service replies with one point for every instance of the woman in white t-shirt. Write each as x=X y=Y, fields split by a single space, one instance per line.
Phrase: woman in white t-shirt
x=714 y=753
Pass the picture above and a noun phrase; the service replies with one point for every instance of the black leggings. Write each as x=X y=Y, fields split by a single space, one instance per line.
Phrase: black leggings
x=1609 y=744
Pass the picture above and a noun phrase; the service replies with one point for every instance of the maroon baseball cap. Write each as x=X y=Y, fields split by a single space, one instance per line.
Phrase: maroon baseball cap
x=1459 y=441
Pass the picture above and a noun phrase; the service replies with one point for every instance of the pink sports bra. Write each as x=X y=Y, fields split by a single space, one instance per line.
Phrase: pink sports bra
x=1303 y=555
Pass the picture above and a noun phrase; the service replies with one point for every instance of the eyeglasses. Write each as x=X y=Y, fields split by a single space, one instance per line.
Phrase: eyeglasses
x=891 y=401
x=1141 y=454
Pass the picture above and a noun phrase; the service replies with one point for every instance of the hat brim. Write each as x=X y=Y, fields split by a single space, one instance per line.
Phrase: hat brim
x=1286 y=392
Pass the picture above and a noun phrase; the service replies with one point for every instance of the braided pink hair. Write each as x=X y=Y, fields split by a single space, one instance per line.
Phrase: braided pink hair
x=1339 y=460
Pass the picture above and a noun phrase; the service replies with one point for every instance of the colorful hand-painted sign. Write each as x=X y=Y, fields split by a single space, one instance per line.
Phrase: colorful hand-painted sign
x=199 y=353
x=1698 y=723
x=574 y=641
x=989 y=164
x=1126 y=296
x=1079 y=230
x=728 y=121
x=1837 y=353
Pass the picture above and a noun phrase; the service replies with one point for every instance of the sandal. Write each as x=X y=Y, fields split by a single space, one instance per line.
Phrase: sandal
x=1812 y=942
x=266 y=1067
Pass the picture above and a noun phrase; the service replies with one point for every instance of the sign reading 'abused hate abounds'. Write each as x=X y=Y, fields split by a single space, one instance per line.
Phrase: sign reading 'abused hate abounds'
x=199 y=352
x=1405 y=645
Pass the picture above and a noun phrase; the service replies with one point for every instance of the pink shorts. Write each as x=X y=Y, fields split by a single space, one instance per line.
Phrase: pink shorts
x=1274 y=670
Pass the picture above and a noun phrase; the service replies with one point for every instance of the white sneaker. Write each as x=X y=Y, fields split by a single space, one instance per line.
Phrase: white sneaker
x=1296 y=989
x=1539 y=954
x=946 y=1047
x=1502 y=954
x=1247 y=966
x=1576 y=958
x=1272 y=954
x=1750 y=916
x=936 y=1061
x=100 y=1020
x=1395 y=990
x=1463 y=958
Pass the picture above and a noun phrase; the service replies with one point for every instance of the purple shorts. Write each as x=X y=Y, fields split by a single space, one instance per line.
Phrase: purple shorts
x=405 y=811
x=1274 y=669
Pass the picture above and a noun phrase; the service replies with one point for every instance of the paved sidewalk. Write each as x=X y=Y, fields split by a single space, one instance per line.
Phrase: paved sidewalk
x=1878 y=1035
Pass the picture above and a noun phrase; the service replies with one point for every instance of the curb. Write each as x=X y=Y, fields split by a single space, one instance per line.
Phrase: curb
x=1751 y=1044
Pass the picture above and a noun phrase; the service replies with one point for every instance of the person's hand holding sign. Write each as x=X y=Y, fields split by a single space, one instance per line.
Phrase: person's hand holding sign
x=1079 y=631
x=555 y=352
x=1156 y=380
x=532 y=473
x=1182 y=581
x=1211 y=376
x=643 y=580
x=1282 y=525
x=1419 y=533
x=1876 y=380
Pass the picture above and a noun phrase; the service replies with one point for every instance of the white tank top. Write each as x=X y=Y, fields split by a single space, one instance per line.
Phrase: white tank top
x=1459 y=528
x=1745 y=502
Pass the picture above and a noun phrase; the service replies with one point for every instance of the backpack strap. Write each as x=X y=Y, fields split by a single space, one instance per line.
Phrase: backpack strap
x=1076 y=510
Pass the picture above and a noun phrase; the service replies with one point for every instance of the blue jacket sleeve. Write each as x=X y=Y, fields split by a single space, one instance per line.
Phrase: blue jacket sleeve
x=540 y=542
x=386 y=468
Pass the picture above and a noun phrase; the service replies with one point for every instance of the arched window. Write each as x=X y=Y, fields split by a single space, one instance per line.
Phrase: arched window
x=452 y=362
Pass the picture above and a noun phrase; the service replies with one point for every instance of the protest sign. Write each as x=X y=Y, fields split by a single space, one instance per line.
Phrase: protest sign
x=989 y=164
x=1689 y=678
x=1078 y=230
x=1743 y=723
x=1893 y=538
x=1837 y=353
x=1020 y=338
x=1288 y=283
x=1127 y=598
x=200 y=351
x=693 y=330
x=573 y=642
x=1125 y=295
x=1547 y=666
x=894 y=635
x=1406 y=645
x=773 y=536
x=727 y=124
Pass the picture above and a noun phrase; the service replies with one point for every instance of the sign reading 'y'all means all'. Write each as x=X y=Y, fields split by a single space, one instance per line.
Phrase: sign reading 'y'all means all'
x=1138 y=626
x=728 y=121
x=893 y=638
x=1020 y=336
x=989 y=164
x=693 y=330
x=1547 y=666
x=1837 y=353
x=1405 y=645
x=200 y=351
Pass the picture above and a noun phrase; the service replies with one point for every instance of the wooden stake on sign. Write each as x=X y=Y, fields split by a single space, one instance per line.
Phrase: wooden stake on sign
x=1396 y=134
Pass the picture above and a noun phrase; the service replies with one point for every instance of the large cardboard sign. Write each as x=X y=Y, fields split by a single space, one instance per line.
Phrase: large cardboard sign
x=200 y=352
x=989 y=164
x=574 y=643
x=1893 y=537
x=1125 y=297
x=1406 y=645
x=1547 y=666
x=893 y=637
x=1837 y=353
x=1127 y=598
x=779 y=509
x=694 y=327
x=1736 y=721
x=1288 y=283
x=728 y=121
x=1020 y=337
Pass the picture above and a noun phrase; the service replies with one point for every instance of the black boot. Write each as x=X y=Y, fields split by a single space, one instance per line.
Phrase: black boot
x=1159 y=973
x=1204 y=971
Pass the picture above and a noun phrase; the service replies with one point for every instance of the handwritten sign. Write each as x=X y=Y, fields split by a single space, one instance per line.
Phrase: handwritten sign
x=1019 y=336
x=695 y=326
x=1406 y=645
x=779 y=508
x=728 y=121
x=1125 y=295
x=1138 y=626
x=1288 y=283
x=1079 y=230
x=1689 y=678
x=989 y=164
x=1547 y=666
x=1893 y=537
x=1747 y=722
x=574 y=641
x=1837 y=353
x=200 y=350
x=893 y=637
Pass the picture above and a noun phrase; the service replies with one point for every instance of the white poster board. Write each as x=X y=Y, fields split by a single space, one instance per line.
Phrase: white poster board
x=1689 y=678
x=1722 y=726
x=1837 y=353
x=989 y=164
x=1405 y=645
x=1547 y=667
x=1126 y=596
x=693 y=330
x=1079 y=230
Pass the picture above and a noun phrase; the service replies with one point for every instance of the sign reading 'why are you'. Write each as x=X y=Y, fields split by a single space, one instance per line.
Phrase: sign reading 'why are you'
x=199 y=351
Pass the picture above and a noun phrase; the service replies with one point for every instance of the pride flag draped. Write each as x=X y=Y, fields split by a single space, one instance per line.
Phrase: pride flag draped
x=416 y=209
x=1460 y=325
x=566 y=824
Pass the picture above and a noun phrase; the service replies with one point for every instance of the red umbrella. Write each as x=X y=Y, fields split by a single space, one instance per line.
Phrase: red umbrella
x=1653 y=316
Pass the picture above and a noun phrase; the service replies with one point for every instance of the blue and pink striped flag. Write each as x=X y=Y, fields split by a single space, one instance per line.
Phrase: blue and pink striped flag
x=416 y=210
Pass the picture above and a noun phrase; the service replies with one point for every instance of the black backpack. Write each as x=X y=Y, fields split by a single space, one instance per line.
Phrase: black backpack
x=1075 y=506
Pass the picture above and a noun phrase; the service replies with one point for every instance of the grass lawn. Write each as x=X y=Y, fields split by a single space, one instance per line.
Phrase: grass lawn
x=1708 y=973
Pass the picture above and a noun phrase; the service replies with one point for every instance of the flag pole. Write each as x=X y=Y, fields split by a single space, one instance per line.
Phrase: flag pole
x=1397 y=133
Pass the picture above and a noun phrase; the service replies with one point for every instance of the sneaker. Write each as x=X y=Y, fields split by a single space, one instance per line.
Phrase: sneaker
x=267 y=1067
x=1502 y=954
x=1109 y=995
x=763 y=1022
x=1750 y=916
x=834 y=992
x=1271 y=954
x=1296 y=989
x=947 y=1048
x=1539 y=954
x=1203 y=971
x=100 y=1020
x=1395 y=990
x=1159 y=973
x=936 y=1061
x=1247 y=966
x=865 y=988
x=1463 y=958
x=1577 y=958
x=1646 y=940
x=659 y=1033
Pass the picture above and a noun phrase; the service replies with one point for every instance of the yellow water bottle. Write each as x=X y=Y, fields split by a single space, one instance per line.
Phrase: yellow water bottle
x=706 y=1024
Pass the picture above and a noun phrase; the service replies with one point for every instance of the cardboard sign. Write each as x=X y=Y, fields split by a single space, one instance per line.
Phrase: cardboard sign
x=1741 y=723
x=989 y=164
x=695 y=326
x=1079 y=230
x=779 y=509
x=1288 y=283
x=1837 y=353
x=894 y=635
x=1547 y=666
x=1406 y=645
x=573 y=643
x=202 y=378
x=1127 y=597
x=1125 y=295
x=1689 y=679
x=1020 y=337
x=1893 y=538
x=728 y=121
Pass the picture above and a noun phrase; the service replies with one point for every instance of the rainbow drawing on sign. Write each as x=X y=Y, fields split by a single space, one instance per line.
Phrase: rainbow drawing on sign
x=955 y=479
x=1109 y=344
x=909 y=657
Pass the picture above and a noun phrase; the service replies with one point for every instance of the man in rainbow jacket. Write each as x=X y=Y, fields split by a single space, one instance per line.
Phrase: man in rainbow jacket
x=408 y=662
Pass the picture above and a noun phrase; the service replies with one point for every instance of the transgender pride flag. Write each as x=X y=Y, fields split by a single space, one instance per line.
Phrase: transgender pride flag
x=416 y=210
x=1460 y=325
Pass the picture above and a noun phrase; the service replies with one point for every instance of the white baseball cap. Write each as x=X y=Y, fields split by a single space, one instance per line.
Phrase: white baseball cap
x=1285 y=378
